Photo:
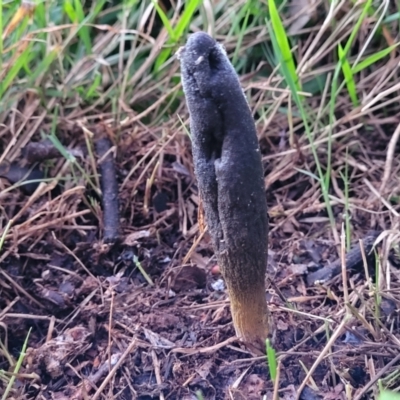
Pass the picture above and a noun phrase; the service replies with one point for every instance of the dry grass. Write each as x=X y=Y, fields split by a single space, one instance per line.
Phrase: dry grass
x=99 y=329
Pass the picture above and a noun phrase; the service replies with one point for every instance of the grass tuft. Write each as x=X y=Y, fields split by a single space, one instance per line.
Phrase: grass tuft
x=17 y=367
x=271 y=360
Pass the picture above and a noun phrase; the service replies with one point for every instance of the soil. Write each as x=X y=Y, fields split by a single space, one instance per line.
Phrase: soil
x=98 y=327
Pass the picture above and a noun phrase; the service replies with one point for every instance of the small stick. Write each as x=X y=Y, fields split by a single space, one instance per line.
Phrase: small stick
x=156 y=364
x=51 y=328
x=109 y=188
x=365 y=264
x=29 y=177
x=344 y=269
x=275 y=396
x=324 y=351
x=376 y=377
x=389 y=158
x=381 y=198
x=352 y=259
x=114 y=369
x=45 y=150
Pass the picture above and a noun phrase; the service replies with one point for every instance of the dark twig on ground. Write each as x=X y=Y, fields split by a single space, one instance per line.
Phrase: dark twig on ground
x=109 y=188
x=353 y=259
x=29 y=177
x=40 y=151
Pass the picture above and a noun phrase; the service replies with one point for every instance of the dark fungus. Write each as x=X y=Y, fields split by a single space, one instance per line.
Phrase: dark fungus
x=229 y=172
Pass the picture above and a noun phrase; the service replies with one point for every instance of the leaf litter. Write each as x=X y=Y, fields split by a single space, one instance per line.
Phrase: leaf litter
x=100 y=330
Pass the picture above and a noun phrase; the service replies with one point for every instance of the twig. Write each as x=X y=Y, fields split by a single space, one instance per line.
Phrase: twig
x=19 y=288
x=205 y=350
x=352 y=259
x=71 y=253
x=114 y=370
x=156 y=364
x=325 y=350
x=389 y=158
x=28 y=178
x=376 y=377
x=275 y=396
x=380 y=197
x=343 y=262
x=109 y=188
x=44 y=150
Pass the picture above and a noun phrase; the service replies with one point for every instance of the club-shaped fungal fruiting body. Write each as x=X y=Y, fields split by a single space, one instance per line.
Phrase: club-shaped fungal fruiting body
x=229 y=173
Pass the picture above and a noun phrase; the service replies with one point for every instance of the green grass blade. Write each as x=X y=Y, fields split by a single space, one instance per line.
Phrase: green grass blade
x=309 y=174
x=357 y=26
x=348 y=76
x=3 y=236
x=271 y=360
x=395 y=17
x=199 y=395
x=386 y=395
x=69 y=157
x=323 y=179
x=373 y=58
x=44 y=65
x=283 y=42
x=142 y=271
x=176 y=33
x=241 y=34
x=58 y=145
x=343 y=62
x=91 y=92
x=335 y=86
x=70 y=11
x=76 y=14
x=17 y=367
x=20 y=62
x=164 y=20
x=183 y=23
x=40 y=14
x=84 y=31
x=164 y=54
x=1 y=35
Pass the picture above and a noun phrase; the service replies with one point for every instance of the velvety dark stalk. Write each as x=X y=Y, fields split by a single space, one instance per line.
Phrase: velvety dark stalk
x=229 y=172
